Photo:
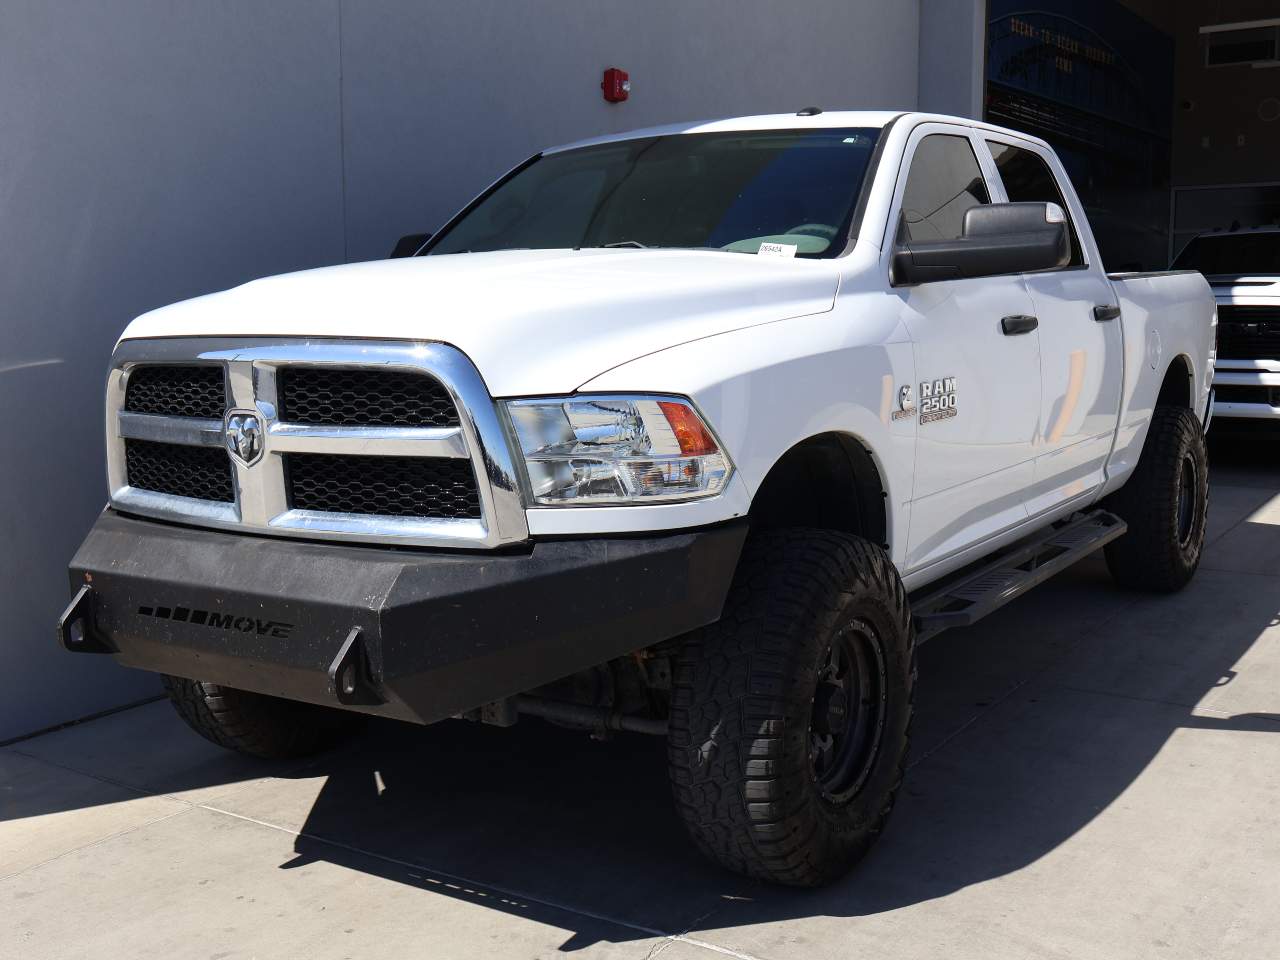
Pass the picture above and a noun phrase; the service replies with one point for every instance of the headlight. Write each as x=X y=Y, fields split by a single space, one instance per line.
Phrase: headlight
x=611 y=450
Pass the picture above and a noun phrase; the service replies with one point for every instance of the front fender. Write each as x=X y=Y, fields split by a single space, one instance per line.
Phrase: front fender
x=768 y=388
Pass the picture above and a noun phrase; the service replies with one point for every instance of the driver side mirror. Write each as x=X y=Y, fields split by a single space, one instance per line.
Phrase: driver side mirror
x=996 y=238
x=409 y=244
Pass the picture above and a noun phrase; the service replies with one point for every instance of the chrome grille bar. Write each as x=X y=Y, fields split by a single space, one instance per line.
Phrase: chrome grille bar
x=369 y=441
x=185 y=430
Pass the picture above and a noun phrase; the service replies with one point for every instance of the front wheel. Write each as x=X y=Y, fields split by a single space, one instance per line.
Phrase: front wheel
x=790 y=716
x=255 y=724
x=1165 y=503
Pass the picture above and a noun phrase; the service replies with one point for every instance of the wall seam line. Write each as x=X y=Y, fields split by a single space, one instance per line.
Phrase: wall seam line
x=342 y=140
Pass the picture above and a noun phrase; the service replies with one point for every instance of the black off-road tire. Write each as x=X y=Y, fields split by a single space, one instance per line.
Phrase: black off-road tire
x=1165 y=503
x=257 y=725
x=748 y=709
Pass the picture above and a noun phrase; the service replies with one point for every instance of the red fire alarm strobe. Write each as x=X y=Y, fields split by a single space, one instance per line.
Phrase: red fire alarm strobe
x=616 y=85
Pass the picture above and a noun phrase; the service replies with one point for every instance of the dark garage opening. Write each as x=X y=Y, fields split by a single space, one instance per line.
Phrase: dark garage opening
x=1166 y=115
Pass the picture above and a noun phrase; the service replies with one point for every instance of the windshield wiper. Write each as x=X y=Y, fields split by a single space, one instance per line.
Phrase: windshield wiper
x=626 y=243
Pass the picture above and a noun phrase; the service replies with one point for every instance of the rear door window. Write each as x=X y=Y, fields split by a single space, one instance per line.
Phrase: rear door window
x=1028 y=179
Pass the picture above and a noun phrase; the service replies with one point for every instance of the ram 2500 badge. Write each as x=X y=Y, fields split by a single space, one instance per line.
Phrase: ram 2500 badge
x=695 y=431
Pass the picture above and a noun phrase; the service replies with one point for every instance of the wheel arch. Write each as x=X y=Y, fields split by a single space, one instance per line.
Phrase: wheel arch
x=828 y=481
x=1178 y=387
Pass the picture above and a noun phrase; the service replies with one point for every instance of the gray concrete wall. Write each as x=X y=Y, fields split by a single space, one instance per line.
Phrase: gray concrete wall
x=441 y=99
x=952 y=71
x=150 y=151
x=153 y=150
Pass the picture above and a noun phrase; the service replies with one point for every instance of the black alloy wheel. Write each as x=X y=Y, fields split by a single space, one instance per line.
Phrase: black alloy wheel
x=847 y=720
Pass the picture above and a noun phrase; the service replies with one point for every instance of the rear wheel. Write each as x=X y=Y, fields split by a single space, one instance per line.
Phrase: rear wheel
x=790 y=716
x=1165 y=503
x=254 y=724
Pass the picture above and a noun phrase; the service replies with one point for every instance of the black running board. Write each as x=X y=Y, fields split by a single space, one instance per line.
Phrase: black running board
x=972 y=595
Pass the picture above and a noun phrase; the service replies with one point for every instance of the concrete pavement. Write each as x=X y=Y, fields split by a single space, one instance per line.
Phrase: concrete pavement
x=1095 y=775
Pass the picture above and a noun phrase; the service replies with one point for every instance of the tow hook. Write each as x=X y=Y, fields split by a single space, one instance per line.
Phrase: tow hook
x=351 y=676
x=76 y=631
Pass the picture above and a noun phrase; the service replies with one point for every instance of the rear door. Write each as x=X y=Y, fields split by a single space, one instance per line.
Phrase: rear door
x=1081 y=350
x=976 y=398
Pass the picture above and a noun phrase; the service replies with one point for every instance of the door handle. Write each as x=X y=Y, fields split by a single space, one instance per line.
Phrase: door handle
x=1104 y=312
x=1018 y=323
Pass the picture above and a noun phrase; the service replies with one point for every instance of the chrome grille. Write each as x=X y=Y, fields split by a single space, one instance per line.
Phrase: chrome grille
x=1234 y=393
x=383 y=486
x=203 y=473
x=377 y=441
x=177 y=391
x=1248 y=332
x=361 y=398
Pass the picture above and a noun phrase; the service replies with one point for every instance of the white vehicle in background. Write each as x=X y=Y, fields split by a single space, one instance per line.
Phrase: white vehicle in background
x=1243 y=268
x=693 y=431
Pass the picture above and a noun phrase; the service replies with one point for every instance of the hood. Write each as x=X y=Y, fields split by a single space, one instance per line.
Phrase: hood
x=1245 y=289
x=532 y=321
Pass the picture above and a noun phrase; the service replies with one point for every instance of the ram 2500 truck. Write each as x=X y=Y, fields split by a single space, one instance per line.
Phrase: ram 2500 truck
x=695 y=431
x=1243 y=268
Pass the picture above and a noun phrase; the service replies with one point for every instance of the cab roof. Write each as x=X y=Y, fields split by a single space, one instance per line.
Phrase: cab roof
x=771 y=121
x=824 y=120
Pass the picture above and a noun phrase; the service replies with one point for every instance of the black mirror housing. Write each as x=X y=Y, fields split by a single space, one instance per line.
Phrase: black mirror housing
x=998 y=238
x=409 y=244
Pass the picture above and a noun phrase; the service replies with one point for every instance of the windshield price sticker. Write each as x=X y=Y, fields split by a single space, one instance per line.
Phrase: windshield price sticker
x=778 y=249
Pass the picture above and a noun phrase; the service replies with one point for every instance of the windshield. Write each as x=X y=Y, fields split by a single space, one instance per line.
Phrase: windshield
x=718 y=191
x=1236 y=254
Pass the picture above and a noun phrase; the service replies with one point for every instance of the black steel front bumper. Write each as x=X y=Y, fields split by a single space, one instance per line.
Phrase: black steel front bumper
x=415 y=635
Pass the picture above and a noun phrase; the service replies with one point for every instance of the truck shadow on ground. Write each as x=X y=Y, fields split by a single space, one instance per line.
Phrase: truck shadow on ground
x=551 y=826
x=1028 y=727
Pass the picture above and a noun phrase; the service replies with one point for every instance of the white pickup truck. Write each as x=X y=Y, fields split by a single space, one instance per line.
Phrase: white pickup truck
x=1243 y=267
x=693 y=431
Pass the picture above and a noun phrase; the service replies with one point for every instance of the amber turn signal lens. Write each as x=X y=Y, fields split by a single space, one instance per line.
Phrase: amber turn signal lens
x=695 y=440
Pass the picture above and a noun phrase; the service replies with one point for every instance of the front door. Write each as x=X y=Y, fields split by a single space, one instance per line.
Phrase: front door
x=977 y=393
